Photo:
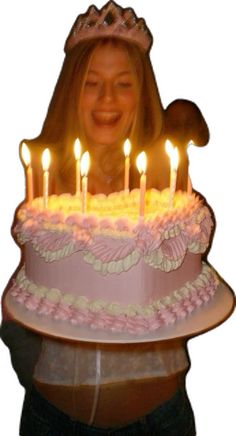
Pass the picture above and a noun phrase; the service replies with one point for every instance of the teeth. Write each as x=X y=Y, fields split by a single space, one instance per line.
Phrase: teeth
x=106 y=117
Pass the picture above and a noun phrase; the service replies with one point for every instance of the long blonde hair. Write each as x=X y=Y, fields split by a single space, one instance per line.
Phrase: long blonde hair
x=62 y=123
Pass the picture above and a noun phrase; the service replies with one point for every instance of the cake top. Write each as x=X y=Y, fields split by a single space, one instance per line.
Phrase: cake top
x=113 y=207
x=112 y=232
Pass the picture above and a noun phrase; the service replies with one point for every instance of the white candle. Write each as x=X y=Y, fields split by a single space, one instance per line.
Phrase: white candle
x=25 y=154
x=84 y=168
x=127 y=149
x=46 y=160
x=174 y=162
x=141 y=163
x=77 y=153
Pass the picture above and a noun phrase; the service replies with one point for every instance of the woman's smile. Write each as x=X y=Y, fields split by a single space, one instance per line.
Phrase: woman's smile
x=106 y=118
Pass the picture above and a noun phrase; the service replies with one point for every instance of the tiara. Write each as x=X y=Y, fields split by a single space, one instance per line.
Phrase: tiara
x=111 y=21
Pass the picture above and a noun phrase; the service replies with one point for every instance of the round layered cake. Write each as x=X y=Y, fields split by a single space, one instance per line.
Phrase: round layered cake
x=111 y=269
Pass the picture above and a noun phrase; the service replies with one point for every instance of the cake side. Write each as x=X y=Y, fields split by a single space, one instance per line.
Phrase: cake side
x=100 y=314
x=141 y=284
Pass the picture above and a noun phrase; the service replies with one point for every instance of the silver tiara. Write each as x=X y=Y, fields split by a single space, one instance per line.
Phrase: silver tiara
x=111 y=21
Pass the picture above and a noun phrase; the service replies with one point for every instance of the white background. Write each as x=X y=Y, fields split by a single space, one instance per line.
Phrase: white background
x=194 y=58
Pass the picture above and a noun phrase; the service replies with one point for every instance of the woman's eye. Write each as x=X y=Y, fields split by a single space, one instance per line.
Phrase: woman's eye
x=124 y=84
x=91 y=83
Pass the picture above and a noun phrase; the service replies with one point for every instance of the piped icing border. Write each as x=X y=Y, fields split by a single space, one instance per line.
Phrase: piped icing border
x=99 y=314
x=114 y=244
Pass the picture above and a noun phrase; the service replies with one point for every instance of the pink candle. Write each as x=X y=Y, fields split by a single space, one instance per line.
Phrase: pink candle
x=127 y=149
x=25 y=154
x=85 y=163
x=141 y=163
x=29 y=177
x=46 y=160
x=190 y=186
x=77 y=153
x=174 y=162
x=173 y=181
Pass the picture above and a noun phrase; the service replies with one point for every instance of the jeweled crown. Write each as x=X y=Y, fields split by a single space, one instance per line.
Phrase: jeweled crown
x=111 y=21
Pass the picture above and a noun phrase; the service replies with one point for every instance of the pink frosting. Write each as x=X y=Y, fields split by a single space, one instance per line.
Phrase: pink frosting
x=140 y=284
x=22 y=296
x=46 y=307
x=63 y=312
x=108 y=250
x=32 y=302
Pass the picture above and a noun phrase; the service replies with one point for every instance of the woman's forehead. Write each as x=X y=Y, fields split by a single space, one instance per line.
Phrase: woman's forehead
x=110 y=58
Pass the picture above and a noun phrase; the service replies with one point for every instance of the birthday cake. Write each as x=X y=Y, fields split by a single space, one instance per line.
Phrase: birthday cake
x=110 y=269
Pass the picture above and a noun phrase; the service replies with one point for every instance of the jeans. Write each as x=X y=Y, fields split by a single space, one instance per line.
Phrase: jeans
x=173 y=418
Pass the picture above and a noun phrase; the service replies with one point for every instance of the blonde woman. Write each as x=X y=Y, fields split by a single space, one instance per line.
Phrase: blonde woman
x=106 y=92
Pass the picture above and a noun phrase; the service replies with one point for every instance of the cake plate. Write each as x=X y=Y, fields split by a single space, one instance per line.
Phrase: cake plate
x=207 y=317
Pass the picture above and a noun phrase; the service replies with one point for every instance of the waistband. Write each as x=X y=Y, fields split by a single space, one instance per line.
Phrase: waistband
x=176 y=414
x=117 y=403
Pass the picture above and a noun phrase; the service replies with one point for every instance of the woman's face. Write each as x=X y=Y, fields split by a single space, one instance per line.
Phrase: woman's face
x=109 y=96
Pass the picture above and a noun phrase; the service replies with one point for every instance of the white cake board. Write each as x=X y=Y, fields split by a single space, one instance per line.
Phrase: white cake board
x=203 y=319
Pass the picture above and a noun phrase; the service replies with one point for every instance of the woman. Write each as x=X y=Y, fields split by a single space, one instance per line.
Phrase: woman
x=129 y=82
x=106 y=92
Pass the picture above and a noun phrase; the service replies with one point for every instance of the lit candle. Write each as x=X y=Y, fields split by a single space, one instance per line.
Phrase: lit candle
x=84 y=168
x=189 y=187
x=25 y=154
x=46 y=160
x=77 y=153
x=174 y=162
x=141 y=163
x=127 y=149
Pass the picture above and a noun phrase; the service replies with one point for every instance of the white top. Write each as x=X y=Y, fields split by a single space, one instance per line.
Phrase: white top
x=71 y=364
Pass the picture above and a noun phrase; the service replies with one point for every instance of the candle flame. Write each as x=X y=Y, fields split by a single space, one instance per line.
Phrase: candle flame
x=141 y=162
x=169 y=147
x=191 y=142
x=25 y=154
x=85 y=164
x=173 y=154
x=77 y=149
x=46 y=159
x=127 y=147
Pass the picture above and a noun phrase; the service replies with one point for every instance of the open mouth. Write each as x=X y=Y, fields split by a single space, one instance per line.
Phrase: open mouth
x=106 y=118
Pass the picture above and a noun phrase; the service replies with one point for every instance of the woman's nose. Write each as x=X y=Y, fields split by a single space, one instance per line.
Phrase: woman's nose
x=107 y=92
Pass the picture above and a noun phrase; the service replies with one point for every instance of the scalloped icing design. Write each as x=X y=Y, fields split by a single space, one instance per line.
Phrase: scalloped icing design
x=113 y=266
x=113 y=244
x=100 y=314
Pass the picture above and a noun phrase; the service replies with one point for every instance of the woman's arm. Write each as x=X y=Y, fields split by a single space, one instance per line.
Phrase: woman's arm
x=24 y=347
